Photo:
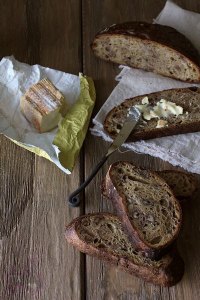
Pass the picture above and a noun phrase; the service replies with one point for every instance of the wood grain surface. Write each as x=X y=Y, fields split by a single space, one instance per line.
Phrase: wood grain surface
x=36 y=261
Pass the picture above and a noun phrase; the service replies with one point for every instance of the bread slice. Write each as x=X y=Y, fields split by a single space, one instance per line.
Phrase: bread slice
x=101 y=235
x=152 y=47
x=183 y=184
x=150 y=213
x=189 y=121
x=43 y=105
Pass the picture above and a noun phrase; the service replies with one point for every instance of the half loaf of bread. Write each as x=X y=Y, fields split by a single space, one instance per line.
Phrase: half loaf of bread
x=186 y=101
x=152 y=47
x=150 y=214
x=101 y=235
x=43 y=105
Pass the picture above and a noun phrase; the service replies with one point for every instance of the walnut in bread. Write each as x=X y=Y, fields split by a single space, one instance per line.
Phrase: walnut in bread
x=43 y=105
x=152 y=47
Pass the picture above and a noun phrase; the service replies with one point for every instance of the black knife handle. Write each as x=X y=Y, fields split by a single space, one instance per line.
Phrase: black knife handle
x=74 y=198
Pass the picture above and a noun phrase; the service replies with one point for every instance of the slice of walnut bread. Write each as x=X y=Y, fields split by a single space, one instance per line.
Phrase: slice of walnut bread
x=150 y=214
x=164 y=113
x=183 y=184
x=152 y=47
x=101 y=235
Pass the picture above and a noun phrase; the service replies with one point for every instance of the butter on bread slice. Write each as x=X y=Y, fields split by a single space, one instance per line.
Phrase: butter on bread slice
x=43 y=105
x=185 y=102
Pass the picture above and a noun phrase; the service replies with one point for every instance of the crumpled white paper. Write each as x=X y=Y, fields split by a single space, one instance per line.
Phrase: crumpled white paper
x=182 y=150
x=15 y=79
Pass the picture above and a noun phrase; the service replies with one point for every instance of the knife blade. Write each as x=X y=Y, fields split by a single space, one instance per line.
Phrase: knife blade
x=129 y=124
x=131 y=121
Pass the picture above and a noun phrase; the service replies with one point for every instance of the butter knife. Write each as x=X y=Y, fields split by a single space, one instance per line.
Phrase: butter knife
x=132 y=119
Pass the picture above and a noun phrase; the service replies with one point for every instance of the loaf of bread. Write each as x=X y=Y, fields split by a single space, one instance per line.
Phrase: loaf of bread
x=43 y=105
x=101 y=235
x=167 y=112
x=150 y=213
x=152 y=47
x=183 y=184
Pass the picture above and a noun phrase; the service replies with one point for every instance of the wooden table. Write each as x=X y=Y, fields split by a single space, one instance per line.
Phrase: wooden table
x=36 y=261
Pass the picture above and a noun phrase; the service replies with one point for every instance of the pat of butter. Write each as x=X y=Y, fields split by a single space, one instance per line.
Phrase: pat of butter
x=163 y=109
x=145 y=100
x=161 y=123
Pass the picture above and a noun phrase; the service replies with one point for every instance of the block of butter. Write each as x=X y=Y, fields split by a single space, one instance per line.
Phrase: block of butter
x=162 y=109
x=43 y=105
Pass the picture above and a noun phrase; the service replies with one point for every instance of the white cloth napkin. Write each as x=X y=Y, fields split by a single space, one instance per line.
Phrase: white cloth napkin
x=182 y=150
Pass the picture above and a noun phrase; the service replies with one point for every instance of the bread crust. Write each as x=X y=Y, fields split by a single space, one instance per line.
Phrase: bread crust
x=172 y=129
x=165 y=36
x=168 y=274
x=119 y=202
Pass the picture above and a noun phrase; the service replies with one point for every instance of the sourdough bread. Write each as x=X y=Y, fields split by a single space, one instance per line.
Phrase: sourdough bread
x=152 y=47
x=150 y=214
x=101 y=235
x=182 y=184
x=189 y=121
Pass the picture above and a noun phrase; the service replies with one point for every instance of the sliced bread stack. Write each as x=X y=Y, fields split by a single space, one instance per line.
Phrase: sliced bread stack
x=101 y=235
x=140 y=237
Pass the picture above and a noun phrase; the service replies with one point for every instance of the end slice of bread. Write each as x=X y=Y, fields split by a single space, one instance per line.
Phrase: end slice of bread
x=182 y=184
x=150 y=213
x=101 y=235
x=152 y=47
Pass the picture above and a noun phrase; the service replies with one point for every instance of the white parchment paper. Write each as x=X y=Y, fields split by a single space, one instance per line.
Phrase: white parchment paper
x=15 y=79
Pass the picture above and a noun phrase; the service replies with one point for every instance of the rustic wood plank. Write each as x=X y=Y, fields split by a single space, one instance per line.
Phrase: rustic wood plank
x=36 y=261
x=104 y=282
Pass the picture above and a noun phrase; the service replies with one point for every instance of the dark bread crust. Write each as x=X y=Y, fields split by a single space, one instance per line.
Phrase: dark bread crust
x=111 y=191
x=169 y=273
x=172 y=129
x=161 y=34
x=153 y=34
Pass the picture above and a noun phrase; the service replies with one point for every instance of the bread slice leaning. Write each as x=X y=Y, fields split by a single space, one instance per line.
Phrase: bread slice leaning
x=101 y=235
x=150 y=214
x=152 y=47
x=183 y=184
x=189 y=121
